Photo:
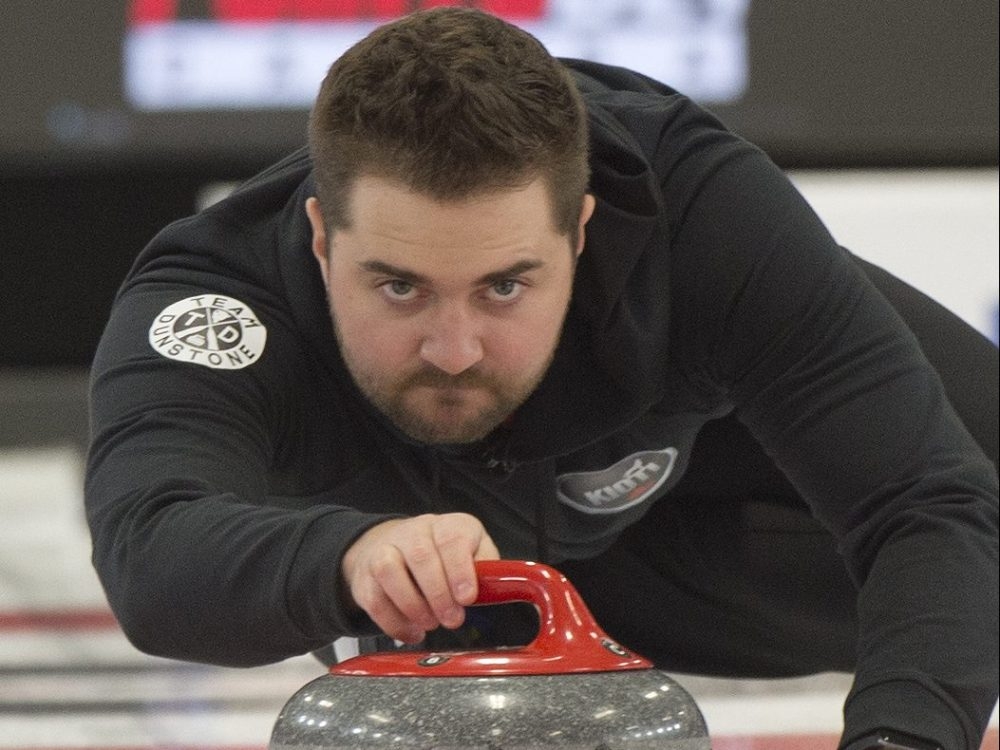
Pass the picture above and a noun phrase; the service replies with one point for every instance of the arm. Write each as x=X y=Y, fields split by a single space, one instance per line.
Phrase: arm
x=200 y=558
x=836 y=388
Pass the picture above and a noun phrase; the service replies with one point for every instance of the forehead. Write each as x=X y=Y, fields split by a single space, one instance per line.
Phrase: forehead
x=387 y=213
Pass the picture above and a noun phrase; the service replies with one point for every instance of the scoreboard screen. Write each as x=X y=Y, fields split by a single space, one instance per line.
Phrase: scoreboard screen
x=268 y=54
x=853 y=83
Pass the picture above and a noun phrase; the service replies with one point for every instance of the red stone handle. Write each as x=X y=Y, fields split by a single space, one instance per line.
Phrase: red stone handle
x=569 y=639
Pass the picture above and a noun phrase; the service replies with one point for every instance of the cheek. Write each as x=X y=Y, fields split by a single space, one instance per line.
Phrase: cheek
x=367 y=338
x=376 y=344
x=522 y=346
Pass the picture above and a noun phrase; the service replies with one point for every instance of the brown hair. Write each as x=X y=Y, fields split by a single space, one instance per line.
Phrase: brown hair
x=452 y=102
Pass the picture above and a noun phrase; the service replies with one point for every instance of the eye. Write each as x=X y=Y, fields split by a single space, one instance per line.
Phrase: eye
x=398 y=290
x=506 y=290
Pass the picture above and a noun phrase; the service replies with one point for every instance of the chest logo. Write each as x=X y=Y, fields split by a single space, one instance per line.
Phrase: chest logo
x=628 y=482
x=210 y=330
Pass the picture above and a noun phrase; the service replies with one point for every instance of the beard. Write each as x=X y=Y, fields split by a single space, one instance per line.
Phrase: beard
x=434 y=407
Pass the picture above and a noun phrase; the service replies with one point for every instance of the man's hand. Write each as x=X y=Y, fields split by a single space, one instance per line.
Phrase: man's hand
x=412 y=575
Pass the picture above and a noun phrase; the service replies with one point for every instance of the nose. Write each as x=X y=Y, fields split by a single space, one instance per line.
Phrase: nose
x=452 y=341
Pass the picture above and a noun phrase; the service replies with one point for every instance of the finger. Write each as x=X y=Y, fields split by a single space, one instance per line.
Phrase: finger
x=393 y=585
x=392 y=622
x=431 y=578
x=459 y=538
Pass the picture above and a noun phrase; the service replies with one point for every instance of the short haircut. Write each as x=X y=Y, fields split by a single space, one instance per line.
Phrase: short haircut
x=453 y=103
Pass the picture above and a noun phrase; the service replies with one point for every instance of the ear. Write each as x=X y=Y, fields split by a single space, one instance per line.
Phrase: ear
x=320 y=246
x=586 y=211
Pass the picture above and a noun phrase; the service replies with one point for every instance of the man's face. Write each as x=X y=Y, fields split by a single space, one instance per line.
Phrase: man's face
x=447 y=314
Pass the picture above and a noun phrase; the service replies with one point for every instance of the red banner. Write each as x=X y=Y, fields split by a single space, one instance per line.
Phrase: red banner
x=158 y=11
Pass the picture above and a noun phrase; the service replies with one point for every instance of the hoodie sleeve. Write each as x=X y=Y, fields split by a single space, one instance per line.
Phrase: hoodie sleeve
x=836 y=388
x=202 y=555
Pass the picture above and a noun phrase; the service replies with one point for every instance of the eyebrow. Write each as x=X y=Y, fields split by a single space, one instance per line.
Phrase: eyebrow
x=494 y=277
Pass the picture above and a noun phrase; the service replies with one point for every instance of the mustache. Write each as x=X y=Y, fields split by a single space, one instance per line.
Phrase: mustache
x=432 y=377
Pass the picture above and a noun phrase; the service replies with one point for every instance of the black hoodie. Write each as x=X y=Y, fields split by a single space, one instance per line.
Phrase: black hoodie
x=234 y=461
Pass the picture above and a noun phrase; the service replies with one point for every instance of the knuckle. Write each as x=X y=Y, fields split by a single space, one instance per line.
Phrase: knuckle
x=420 y=552
x=382 y=565
x=456 y=528
x=379 y=566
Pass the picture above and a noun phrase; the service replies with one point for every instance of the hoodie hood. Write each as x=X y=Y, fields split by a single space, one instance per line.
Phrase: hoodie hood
x=612 y=352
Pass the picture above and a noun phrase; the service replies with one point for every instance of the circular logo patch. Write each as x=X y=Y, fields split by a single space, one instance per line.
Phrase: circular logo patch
x=209 y=330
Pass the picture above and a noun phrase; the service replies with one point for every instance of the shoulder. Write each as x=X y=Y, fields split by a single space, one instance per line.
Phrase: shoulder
x=246 y=240
x=628 y=106
x=214 y=288
x=646 y=133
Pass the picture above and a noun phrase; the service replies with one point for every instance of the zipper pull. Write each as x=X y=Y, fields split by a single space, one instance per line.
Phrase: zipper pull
x=500 y=465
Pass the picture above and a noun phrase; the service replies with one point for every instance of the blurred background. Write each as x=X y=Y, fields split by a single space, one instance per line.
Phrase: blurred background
x=119 y=116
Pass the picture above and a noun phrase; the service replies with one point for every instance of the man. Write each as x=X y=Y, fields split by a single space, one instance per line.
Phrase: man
x=487 y=315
